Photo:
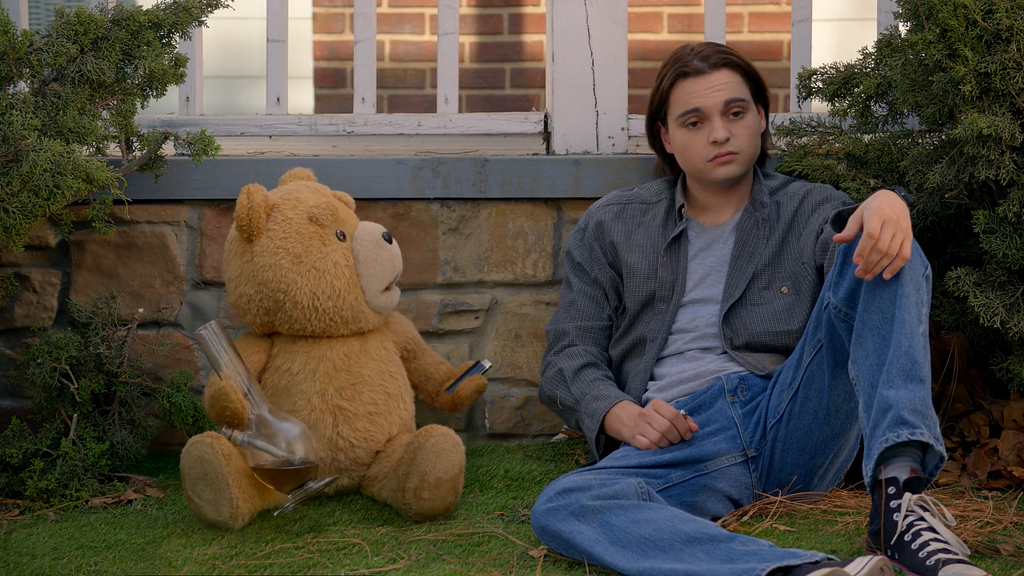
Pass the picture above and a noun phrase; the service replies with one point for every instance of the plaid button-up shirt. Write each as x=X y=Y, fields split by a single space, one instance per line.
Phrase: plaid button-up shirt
x=625 y=273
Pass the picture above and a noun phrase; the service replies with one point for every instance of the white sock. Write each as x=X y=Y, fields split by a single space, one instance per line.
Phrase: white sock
x=901 y=460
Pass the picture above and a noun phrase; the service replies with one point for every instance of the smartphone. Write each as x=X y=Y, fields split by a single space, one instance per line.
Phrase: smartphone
x=478 y=367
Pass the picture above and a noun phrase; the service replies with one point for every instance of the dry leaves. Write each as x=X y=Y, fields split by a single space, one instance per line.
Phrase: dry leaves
x=144 y=485
x=993 y=462
x=988 y=522
x=1013 y=414
x=115 y=500
x=138 y=487
x=984 y=435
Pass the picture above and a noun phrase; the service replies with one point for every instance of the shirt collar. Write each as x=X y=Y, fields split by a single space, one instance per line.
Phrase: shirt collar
x=758 y=196
x=680 y=199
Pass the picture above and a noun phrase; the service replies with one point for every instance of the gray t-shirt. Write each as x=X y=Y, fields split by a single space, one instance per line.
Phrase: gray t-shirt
x=694 y=354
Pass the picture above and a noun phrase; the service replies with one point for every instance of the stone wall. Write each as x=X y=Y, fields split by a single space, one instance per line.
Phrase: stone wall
x=481 y=280
x=501 y=50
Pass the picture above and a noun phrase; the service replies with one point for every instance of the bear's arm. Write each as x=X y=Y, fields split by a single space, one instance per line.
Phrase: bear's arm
x=429 y=373
x=224 y=403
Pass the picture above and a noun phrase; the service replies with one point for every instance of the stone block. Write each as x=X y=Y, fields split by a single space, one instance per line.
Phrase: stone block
x=228 y=315
x=167 y=439
x=506 y=241
x=18 y=387
x=454 y=352
x=517 y=411
x=572 y=211
x=14 y=407
x=201 y=378
x=446 y=312
x=12 y=384
x=214 y=224
x=43 y=235
x=518 y=342
x=429 y=415
x=463 y=312
x=142 y=263
x=36 y=303
x=201 y=305
x=165 y=353
x=414 y=226
x=33 y=258
x=420 y=309
x=141 y=213
x=154 y=213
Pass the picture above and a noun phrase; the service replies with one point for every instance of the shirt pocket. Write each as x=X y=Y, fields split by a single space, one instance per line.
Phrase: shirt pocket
x=772 y=313
x=788 y=287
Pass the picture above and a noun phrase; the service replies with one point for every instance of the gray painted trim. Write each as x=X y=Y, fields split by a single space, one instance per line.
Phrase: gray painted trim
x=481 y=177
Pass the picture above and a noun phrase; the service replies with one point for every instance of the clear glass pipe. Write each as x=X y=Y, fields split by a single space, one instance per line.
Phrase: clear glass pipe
x=280 y=449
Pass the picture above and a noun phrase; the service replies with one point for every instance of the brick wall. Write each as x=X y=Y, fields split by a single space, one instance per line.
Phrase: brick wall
x=758 y=29
x=501 y=50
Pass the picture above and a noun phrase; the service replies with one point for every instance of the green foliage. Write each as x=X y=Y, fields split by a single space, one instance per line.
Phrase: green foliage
x=938 y=108
x=69 y=95
x=95 y=409
x=8 y=287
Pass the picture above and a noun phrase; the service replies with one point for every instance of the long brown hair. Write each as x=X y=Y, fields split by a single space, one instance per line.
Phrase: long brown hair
x=691 y=60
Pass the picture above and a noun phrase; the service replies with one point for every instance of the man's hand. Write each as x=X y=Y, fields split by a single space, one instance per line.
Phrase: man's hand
x=885 y=245
x=657 y=425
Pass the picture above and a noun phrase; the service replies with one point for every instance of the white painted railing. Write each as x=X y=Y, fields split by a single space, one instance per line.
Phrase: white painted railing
x=586 y=80
x=18 y=10
x=277 y=56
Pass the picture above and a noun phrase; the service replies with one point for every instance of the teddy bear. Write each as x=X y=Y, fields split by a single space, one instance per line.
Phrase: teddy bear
x=317 y=289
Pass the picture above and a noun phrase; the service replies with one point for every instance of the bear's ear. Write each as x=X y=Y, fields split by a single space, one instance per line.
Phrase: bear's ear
x=297 y=175
x=345 y=199
x=251 y=211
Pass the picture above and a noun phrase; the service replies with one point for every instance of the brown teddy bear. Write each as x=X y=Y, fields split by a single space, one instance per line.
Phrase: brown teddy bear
x=317 y=289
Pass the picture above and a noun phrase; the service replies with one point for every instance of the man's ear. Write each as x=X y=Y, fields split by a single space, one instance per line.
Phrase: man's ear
x=664 y=138
x=764 y=120
x=251 y=211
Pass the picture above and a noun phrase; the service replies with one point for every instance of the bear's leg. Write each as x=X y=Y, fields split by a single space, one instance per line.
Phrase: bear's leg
x=219 y=486
x=419 y=474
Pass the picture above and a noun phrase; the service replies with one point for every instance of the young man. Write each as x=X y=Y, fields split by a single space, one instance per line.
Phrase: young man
x=727 y=332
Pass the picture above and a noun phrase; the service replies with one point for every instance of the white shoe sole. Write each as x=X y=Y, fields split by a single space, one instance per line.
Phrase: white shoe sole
x=863 y=566
x=959 y=569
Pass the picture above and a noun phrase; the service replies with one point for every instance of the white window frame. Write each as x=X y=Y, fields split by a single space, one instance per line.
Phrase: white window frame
x=586 y=88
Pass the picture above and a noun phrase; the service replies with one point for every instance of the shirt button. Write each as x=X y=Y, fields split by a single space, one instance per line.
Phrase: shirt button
x=784 y=290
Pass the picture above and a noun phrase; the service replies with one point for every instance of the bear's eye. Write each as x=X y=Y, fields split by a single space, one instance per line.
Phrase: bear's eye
x=341 y=235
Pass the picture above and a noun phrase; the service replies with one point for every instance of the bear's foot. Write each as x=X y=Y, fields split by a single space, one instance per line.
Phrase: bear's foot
x=219 y=486
x=419 y=474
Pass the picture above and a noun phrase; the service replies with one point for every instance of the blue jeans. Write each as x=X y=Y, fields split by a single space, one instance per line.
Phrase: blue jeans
x=861 y=370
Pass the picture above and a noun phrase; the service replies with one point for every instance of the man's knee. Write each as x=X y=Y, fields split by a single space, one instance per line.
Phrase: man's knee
x=553 y=501
x=545 y=512
x=570 y=494
x=917 y=265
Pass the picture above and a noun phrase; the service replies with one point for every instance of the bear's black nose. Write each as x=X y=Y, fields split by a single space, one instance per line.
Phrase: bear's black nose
x=387 y=237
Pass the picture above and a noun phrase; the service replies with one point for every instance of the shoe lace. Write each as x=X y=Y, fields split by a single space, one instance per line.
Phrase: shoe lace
x=931 y=521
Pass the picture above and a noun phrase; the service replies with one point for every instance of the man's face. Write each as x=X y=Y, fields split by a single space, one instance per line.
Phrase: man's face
x=713 y=128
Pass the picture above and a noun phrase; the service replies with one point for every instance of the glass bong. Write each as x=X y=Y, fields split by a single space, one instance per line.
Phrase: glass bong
x=280 y=450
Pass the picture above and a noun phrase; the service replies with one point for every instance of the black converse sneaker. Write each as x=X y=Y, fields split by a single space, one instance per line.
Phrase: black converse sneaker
x=912 y=530
x=863 y=566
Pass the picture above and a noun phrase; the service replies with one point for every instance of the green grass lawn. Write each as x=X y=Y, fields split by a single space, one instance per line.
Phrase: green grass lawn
x=488 y=534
